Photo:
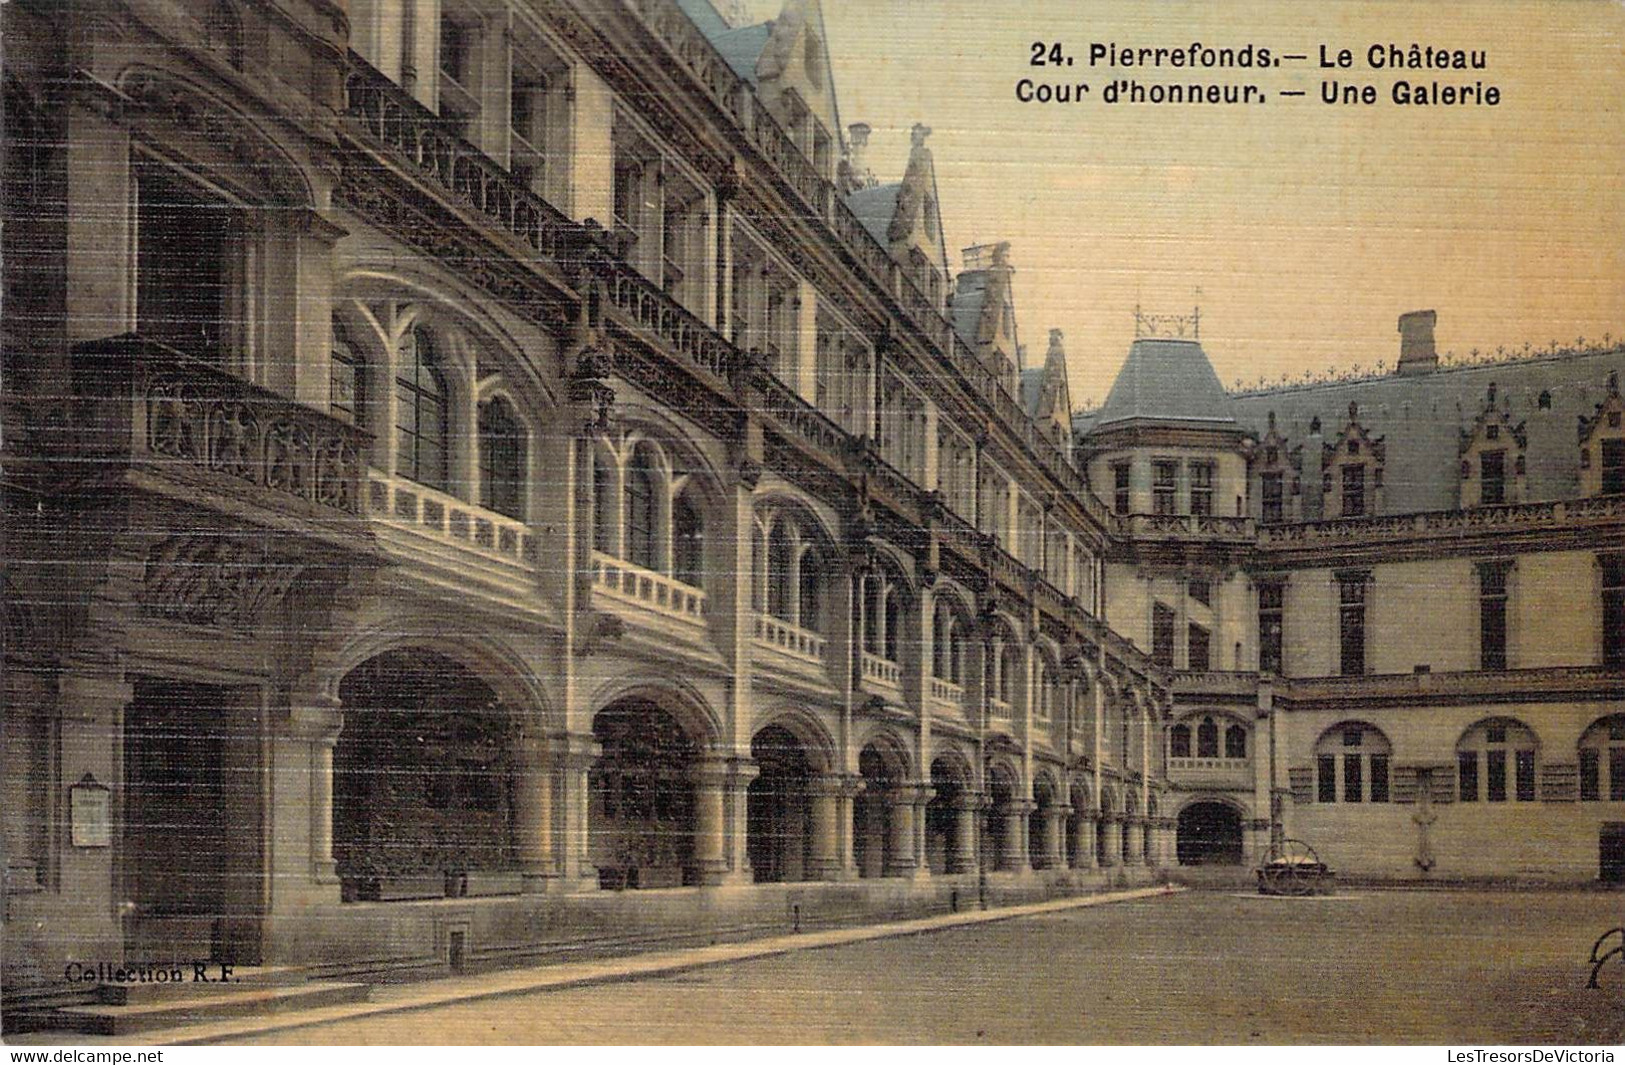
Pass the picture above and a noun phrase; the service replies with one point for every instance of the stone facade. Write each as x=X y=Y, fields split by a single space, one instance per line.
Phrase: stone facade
x=486 y=480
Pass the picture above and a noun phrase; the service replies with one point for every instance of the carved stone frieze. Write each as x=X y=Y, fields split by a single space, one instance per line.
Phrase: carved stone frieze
x=214 y=581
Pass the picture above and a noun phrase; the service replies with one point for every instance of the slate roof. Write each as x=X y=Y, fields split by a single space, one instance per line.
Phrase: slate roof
x=970 y=292
x=1166 y=381
x=1032 y=390
x=875 y=208
x=705 y=16
x=741 y=47
x=1421 y=417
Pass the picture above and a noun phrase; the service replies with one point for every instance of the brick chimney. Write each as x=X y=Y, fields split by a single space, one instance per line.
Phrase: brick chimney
x=1416 y=351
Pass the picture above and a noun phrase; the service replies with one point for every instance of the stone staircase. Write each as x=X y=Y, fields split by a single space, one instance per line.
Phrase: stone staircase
x=120 y=1009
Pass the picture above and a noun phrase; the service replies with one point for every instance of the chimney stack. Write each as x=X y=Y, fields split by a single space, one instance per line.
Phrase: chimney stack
x=857 y=154
x=1416 y=351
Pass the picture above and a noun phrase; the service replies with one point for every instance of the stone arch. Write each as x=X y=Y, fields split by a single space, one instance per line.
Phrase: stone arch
x=1497 y=759
x=1043 y=820
x=673 y=695
x=878 y=824
x=809 y=731
x=1209 y=830
x=486 y=654
x=216 y=122
x=778 y=803
x=425 y=772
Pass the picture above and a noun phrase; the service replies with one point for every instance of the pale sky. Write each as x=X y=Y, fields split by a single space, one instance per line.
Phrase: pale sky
x=1308 y=228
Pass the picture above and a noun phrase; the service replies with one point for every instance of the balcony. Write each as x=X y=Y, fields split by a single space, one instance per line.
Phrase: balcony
x=1452 y=525
x=1204 y=527
x=1215 y=683
x=882 y=675
x=1212 y=772
x=618 y=580
x=147 y=414
x=788 y=639
x=1000 y=713
x=421 y=142
x=455 y=531
x=946 y=693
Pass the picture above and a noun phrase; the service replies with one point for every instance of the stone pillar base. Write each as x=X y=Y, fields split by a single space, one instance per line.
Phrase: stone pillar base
x=829 y=869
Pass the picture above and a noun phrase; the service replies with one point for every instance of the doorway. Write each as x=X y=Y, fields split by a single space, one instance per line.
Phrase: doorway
x=190 y=834
x=1209 y=833
x=1611 y=853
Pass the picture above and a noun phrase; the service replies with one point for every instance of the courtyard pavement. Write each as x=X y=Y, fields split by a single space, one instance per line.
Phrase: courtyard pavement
x=1426 y=967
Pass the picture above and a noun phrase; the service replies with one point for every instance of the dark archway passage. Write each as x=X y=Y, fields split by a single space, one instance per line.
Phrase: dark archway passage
x=942 y=836
x=1611 y=853
x=1209 y=834
x=191 y=861
x=778 y=807
x=423 y=788
x=872 y=832
x=641 y=812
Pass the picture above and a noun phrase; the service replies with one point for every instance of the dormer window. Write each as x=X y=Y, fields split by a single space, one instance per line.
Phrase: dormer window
x=1353 y=491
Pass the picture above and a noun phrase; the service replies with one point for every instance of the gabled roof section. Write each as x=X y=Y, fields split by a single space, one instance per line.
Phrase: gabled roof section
x=1054 y=400
x=1032 y=390
x=742 y=48
x=875 y=208
x=705 y=17
x=1166 y=380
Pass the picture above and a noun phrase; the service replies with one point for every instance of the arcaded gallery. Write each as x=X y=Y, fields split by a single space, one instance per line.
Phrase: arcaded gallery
x=492 y=479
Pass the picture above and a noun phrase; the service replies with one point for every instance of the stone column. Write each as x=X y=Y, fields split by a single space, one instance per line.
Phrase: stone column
x=533 y=816
x=1134 y=836
x=1110 y=831
x=850 y=786
x=711 y=821
x=719 y=821
x=904 y=860
x=1083 y=828
x=825 y=862
x=1015 y=836
x=573 y=756
x=966 y=811
x=314 y=722
x=1054 y=852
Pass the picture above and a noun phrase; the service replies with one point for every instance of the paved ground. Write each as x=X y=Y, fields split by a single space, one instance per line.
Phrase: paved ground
x=1369 y=967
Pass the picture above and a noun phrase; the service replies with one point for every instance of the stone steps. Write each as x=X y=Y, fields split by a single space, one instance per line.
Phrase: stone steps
x=243 y=978
x=121 y=1009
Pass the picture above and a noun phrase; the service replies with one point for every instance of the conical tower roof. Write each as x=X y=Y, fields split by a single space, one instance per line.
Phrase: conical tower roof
x=1166 y=381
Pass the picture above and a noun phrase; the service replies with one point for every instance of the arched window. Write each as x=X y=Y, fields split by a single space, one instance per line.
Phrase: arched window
x=603 y=531
x=1495 y=762
x=641 y=511
x=1207 y=739
x=894 y=617
x=1602 y=761
x=1351 y=764
x=1041 y=707
x=780 y=552
x=1235 y=742
x=940 y=652
x=1179 y=741
x=1009 y=665
x=873 y=590
x=687 y=542
x=345 y=380
x=502 y=460
x=420 y=412
x=812 y=603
